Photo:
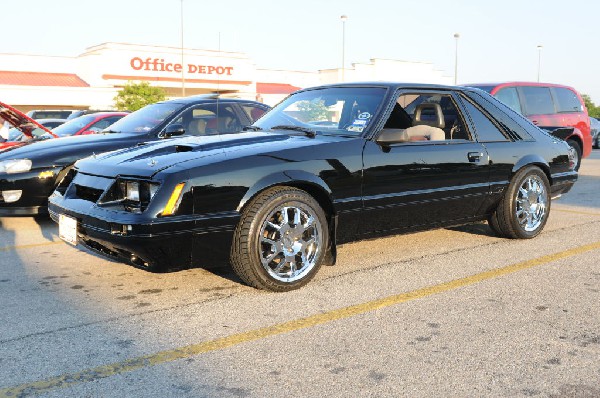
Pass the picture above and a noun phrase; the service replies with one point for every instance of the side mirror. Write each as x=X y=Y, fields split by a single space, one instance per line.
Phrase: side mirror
x=392 y=136
x=174 y=130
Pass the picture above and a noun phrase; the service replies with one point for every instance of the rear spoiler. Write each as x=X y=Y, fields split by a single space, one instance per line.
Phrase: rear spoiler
x=560 y=132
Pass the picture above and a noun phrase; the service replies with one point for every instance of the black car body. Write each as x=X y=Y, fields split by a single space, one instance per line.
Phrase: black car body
x=328 y=165
x=38 y=167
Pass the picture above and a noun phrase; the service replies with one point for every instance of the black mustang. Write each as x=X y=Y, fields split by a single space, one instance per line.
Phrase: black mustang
x=30 y=173
x=328 y=165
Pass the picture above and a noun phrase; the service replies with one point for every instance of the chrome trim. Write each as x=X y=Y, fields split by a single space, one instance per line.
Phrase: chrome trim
x=290 y=242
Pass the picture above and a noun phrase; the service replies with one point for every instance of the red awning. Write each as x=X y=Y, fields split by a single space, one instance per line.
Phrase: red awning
x=12 y=78
x=275 y=88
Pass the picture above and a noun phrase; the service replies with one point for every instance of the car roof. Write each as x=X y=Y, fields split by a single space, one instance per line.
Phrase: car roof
x=518 y=83
x=106 y=114
x=206 y=98
x=393 y=86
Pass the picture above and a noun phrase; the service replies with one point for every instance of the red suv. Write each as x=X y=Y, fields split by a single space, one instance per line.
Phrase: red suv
x=548 y=106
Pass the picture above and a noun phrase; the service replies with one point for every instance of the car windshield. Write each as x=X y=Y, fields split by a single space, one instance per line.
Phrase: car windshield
x=331 y=110
x=15 y=134
x=73 y=126
x=145 y=119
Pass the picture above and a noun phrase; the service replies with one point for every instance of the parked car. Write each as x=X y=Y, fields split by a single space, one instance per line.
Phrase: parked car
x=595 y=126
x=50 y=113
x=29 y=174
x=279 y=198
x=548 y=106
x=88 y=124
x=78 y=113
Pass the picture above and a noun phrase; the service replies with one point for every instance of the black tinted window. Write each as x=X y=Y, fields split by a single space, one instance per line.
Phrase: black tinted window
x=567 y=100
x=509 y=97
x=538 y=100
x=487 y=131
x=512 y=123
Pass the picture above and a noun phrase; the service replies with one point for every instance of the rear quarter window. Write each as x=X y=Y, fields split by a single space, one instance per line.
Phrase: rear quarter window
x=486 y=129
x=567 y=100
x=512 y=123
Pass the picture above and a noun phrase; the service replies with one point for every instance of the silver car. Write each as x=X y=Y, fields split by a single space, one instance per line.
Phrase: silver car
x=595 y=126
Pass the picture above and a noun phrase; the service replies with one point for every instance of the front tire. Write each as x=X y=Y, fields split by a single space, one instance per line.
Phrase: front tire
x=280 y=241
x=524 y=209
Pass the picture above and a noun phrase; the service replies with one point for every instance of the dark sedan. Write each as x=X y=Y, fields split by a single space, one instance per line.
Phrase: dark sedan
x=328 y=165
x=30 y=173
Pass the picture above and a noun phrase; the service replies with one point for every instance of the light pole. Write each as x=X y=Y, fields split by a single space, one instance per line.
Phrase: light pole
x=344 y=18
x=539 y=47
x=182 y=64
x=456 y=37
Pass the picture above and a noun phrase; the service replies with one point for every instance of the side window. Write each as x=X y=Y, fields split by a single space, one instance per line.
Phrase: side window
x=254 y=112
x=538 y=100
x=207 y=119
x=427 y=117
x=510 y=97
x=487 y=131
x=567 y=100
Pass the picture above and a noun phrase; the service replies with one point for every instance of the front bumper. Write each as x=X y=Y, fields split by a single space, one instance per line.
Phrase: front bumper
x=168 y=243
x=34 y=192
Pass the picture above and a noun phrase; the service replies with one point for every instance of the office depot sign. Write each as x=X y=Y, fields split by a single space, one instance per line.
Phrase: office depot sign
x=160 y=65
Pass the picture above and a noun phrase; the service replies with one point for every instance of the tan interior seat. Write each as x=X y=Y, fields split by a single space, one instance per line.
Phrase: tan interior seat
x=197 y=127
x=428 y=122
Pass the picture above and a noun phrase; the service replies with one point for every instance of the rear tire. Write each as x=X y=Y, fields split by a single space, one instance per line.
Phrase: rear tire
x=578 y=152
x=524 y=209
x=280 y=241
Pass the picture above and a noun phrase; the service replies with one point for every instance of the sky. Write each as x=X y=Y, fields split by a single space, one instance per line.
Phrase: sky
x=498 y=41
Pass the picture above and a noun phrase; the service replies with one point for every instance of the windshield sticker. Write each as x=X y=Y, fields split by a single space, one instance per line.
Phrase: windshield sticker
x=364 y=116
x=357 y=126
x=356 y=129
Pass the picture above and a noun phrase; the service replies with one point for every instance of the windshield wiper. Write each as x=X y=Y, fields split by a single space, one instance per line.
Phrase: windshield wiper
x=109 y=132
x=309 y=132
x=252 y=128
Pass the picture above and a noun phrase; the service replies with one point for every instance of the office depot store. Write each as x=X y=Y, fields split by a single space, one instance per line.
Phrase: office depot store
x=92 y=79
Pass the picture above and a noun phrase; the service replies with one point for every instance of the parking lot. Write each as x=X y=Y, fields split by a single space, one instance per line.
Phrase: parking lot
x=450 y=312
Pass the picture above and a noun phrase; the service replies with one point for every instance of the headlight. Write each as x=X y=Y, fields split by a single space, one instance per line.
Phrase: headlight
x=136 y=194
x=15 y=166
x=132 y=191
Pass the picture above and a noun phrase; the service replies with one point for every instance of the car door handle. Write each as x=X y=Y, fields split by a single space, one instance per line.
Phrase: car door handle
x=474 y=156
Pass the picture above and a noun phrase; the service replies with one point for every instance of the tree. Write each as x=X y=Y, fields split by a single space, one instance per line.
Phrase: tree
x=137 y=95
x=593 y=110
x=313 y=110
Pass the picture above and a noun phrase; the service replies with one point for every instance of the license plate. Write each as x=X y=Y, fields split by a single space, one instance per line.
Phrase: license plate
x=67 y=229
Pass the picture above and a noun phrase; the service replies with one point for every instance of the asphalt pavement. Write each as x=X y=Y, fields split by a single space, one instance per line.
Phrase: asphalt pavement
x=452 y=312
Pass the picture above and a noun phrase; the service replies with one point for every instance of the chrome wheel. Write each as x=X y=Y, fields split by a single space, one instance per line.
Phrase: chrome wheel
x=290 y=242
x=531 y=203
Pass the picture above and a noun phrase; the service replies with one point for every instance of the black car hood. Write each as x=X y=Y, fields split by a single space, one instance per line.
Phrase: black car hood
x=65 y=151
x=150 y=158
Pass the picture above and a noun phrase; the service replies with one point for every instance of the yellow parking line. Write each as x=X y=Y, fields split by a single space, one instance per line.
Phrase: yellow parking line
x=18 y=247
x=130 y=365
x=585 y=213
